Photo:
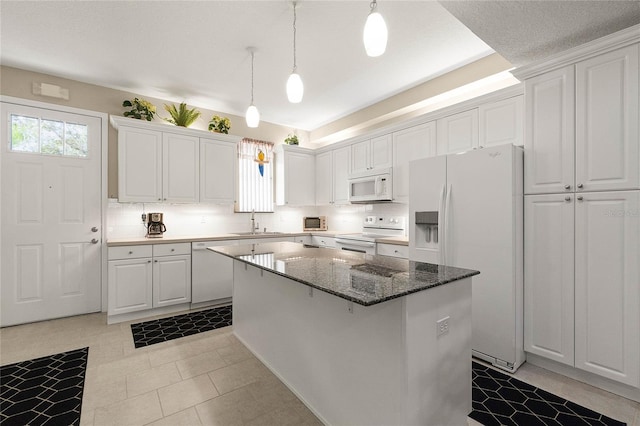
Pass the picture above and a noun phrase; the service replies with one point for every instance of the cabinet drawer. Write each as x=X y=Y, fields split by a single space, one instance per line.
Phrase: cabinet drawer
x=171 y=249
x=130 y=252
x=392 y=250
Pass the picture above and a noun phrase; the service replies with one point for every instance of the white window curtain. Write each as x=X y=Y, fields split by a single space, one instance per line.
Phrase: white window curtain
x=255 y=176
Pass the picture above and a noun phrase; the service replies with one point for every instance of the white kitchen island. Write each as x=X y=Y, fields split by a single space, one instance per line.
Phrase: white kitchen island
x=355 y=336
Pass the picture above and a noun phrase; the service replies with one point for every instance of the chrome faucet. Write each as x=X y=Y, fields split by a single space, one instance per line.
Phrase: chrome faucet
x=254 y=226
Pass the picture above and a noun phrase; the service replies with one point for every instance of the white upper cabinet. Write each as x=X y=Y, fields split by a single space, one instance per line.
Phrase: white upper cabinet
x=341 y=161
x=501 y=122
x=324 y=178
x=458 y=132
x=371 y=154
x=582 y=126
x=410 y=144
x=139 y=165
x=218 y=165
x=295 y=176
x=549 y=132
x=180 y=168
x=607 y=153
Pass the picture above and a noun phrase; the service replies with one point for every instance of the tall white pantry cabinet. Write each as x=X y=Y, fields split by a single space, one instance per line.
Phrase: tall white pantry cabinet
x=582 y=213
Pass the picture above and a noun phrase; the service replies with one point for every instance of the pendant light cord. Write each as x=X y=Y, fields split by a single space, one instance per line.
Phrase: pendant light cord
x=373 y=6
x=294 y=37
x=252 y=53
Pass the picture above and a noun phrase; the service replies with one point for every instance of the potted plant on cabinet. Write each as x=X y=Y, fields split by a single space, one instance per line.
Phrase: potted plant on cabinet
x=291 y=140
x=140 y=109
x=219 y=124
x=181 y=116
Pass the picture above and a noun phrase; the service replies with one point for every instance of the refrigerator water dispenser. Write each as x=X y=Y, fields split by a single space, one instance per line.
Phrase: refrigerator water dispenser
x=426 y=229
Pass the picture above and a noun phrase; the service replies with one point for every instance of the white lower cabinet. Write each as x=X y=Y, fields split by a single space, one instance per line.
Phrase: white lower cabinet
x=148 y=276
x=322 y=241
x=582 y=292
x=392 y=250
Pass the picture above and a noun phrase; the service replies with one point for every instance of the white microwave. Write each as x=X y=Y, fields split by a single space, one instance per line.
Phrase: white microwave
x=371 y=186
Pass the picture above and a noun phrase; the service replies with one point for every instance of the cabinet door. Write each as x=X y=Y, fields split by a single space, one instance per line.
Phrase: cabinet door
x=502 y=122
x=360 y=157
x=180 y=171
x=299 y=178
x=324 y=178
x=341 y=161
x=607 y=153
x=549 y=276
x=381 y=152
x=139 y=165
x=607 y=285
x=130 y=285
x=410 y=144
x=549 y=142
x=458 y=132
x=171 y=280
x=218 y=161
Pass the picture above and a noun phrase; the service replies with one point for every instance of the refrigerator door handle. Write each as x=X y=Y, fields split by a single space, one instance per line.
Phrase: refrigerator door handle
x=447 y=219
x=441 y=225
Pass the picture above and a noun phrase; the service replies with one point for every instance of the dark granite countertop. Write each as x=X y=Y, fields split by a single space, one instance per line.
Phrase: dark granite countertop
x=357 y=277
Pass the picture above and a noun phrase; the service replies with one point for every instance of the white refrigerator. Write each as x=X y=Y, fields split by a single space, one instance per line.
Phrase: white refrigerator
x=466 y=210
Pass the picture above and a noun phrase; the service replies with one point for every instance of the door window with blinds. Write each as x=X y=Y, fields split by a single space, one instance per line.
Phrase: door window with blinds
x=255 y=176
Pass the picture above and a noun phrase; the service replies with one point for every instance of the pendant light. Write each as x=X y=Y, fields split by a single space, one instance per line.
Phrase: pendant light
x=253 y=115
x=375 y=32
x=295 y=88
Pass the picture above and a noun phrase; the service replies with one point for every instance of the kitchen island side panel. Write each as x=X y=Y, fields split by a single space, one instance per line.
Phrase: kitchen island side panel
x=354 y=367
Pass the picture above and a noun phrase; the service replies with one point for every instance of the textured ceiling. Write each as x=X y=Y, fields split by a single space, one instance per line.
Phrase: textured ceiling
x=526 y=31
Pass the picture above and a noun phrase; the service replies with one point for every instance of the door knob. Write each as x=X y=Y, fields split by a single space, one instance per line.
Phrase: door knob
x=567 y=198
x=567 y=187
x=94 y=229
x=580 y=185
x=580 y=198
x=94 y=241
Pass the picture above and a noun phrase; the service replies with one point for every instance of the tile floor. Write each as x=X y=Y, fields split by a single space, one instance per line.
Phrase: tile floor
x=208 y=378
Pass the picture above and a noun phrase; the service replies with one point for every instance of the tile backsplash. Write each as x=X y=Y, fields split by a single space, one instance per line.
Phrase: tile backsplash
x=124 y=219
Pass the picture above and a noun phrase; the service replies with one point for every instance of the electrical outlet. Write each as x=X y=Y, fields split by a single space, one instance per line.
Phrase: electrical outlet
x=144 y=217
x=442 y=326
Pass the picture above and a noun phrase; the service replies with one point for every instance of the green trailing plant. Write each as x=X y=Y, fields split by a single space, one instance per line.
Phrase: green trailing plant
x=140 y=109
x=219 y=124
x=291 y=140
x=181 y=116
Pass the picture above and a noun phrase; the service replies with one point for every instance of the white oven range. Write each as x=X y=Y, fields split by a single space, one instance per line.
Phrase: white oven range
x=373 y=227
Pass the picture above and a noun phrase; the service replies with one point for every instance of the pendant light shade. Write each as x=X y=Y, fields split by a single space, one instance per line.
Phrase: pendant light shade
x=375 y=32
x=253 y=115
x=295 y=88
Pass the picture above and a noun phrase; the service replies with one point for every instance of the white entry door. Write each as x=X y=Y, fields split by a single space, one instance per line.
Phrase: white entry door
x=51 y=219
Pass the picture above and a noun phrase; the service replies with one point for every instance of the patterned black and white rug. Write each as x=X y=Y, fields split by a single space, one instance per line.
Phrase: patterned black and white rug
x=499 y=399
x=158 y=331
x=43 y=391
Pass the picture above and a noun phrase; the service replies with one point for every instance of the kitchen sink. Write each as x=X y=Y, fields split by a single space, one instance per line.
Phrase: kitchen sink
x=257 y=233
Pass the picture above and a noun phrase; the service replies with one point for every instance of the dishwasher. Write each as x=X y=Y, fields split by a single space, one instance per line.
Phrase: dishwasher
x=211 y=273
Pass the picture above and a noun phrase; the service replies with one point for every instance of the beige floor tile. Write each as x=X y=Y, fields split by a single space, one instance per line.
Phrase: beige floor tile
x=101 y=393
x=139 y=410
x=186 y=393
x=86 y=417
x=170 y=352
x=152 y=379
x=188 y=417
x=233 y=408
x=237 y=375
x=472 y=422
x=210 y=342
x=200 y=364
x=235 y=353
x=121 y=367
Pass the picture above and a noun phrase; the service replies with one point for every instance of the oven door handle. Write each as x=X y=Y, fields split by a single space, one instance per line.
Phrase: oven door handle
x=354 y=243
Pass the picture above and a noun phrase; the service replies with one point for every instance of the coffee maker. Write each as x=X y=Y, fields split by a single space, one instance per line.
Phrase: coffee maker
x=155 y=227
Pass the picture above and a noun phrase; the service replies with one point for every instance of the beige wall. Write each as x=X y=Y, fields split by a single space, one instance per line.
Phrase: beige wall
x=407 y=104
x=18 y=83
